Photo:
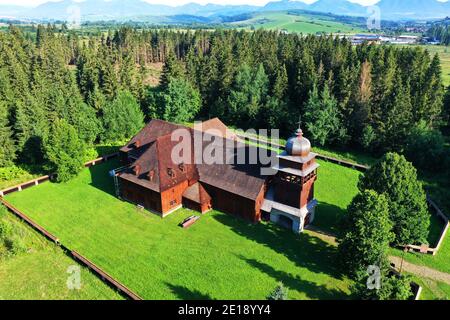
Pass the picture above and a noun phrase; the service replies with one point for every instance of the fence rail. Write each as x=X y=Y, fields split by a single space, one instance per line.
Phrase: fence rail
x=340 y=162
x=363 y=168
x=105 y=276
x=37 y=181
x=84 y=261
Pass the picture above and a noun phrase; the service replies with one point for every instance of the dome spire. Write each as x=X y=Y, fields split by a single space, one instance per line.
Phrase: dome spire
x=298 y=145
x=299 y=130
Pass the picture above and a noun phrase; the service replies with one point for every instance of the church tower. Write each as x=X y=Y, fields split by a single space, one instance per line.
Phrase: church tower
x=290 y=199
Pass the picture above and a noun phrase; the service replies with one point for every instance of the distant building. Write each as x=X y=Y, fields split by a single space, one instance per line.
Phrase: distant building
x=403 y=39
x=366 y=38
x=151 y=179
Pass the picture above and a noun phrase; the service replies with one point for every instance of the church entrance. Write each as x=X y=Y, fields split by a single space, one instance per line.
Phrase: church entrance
x=285 y=222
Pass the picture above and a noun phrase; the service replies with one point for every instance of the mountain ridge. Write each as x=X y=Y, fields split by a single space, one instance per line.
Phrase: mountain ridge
x=116 y=9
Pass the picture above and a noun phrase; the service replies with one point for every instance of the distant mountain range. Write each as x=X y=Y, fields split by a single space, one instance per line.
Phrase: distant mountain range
x=137 y=9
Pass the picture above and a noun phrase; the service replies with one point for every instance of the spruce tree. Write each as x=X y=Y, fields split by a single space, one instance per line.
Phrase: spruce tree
x=180 y=101
x=122 y=118
x=322 y=118
x=172 y=69
x=7 y=145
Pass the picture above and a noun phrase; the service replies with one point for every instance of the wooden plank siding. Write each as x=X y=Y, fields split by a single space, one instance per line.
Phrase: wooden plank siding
x=236 y=205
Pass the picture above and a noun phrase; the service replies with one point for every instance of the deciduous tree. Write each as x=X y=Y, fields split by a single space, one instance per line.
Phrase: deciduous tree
x=64 y=151
x=396 y=178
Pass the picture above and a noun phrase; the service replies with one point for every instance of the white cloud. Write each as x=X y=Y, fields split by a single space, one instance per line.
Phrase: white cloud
x=180 y=2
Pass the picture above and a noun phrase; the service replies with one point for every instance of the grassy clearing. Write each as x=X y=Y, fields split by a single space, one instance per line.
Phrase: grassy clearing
x=11 y=176
x=40 y=273
x=433 y=290
x=220 y=257
x=439 y=262
x=302 y=23
x=335 y=189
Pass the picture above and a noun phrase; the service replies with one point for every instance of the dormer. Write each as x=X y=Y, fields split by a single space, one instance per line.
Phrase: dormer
x=137 y=170
x=151 y=175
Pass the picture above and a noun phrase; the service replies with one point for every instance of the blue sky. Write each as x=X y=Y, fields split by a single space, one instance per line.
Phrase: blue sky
x=179 y=2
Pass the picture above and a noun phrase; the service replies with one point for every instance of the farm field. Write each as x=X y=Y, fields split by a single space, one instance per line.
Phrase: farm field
x=302 y=23
x=444 y=54
x=40 y=273
x=159 y=260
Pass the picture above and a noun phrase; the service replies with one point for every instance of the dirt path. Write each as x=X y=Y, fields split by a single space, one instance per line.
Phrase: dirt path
x=420 y=271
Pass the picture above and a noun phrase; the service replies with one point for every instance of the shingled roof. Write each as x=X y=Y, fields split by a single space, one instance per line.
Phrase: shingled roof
x=154 y=154
x=197 y=193
x=153 y=130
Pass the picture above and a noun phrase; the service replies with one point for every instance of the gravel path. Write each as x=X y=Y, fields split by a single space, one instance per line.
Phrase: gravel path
x=420 y=271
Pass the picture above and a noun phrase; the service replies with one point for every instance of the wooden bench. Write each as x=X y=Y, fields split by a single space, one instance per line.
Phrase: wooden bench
x=189 y=222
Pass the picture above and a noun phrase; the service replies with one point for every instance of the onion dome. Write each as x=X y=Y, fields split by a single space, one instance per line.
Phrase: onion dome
x=298 y=146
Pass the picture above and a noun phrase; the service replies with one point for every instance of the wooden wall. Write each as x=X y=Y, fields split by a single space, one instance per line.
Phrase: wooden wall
x=137 y=194
x=173 y=197
x=234 y=204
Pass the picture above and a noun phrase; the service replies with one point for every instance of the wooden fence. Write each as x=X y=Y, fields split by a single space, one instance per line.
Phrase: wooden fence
x=49 y=177
x=82 y=260
x=363 y=168
x=443 y=217
x=340 y=162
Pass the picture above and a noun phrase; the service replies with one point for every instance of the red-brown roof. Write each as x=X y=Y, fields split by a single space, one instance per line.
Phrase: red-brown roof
x=153 y=130
x=197 y=193
x=216 y=127
x=242 y=179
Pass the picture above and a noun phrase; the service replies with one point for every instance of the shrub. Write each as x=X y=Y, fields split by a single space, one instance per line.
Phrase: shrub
x=392 y=287
x=280 y=293
x=11 y=173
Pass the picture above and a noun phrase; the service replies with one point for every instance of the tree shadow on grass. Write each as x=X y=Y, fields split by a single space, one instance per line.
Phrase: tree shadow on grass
x=328 y=218
x=304 y=250
x=311 y=289
x=184 y=293
x=100 y=176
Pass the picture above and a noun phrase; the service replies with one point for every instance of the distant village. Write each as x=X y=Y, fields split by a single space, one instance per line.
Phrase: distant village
x=359 y=39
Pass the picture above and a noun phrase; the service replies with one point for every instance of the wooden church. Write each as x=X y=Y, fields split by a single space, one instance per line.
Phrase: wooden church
x=152 y=180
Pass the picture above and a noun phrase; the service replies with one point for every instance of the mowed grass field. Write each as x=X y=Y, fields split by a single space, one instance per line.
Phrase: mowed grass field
x=301 y=23
x=220 y=257
x=41 y=273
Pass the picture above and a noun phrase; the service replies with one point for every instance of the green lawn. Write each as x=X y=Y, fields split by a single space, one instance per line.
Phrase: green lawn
x=441 y=261
x=335 y=188
x=433 y=290
x=220 y=257
x=40 y=273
